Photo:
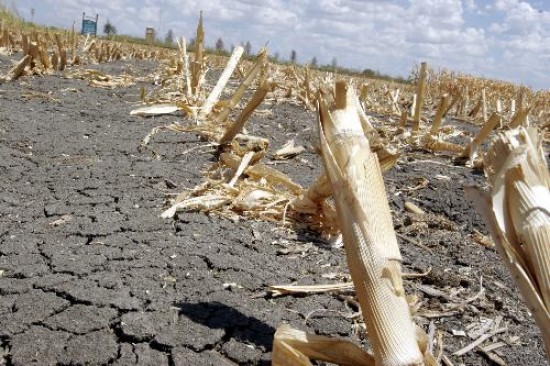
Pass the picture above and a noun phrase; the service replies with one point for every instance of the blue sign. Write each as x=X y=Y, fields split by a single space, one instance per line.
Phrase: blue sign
x=89 y=25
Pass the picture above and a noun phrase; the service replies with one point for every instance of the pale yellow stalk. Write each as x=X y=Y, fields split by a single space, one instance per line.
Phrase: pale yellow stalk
x=254 y=102
x=365 y=220
x=420 y=91
x=222 y=81
x=439 y=115
x=517 y=212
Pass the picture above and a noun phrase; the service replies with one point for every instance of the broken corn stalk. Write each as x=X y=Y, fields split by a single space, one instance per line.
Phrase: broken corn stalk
x=517 y=212
x=420 y=91
x=198 y=63
x=222 y=81
x=259 y=64
x=483 y=133
x=256 y=99
x=371 y=246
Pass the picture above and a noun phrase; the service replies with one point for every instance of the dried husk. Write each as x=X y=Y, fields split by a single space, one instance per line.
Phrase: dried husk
x=517 y=211
x=155 y=110
x=295 y=347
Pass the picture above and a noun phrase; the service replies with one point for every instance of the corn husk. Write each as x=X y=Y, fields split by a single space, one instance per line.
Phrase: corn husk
x=517 y=211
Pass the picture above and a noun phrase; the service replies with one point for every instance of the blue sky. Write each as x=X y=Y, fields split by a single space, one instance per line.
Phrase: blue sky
x=504 y=39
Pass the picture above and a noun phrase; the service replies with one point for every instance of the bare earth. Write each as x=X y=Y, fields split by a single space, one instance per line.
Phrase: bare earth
x=90 y=275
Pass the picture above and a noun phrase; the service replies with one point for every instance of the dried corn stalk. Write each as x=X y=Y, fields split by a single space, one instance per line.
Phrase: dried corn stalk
x=256 y=99
x=470 y=150
x=439 y=115
x=421 y=90
x=517 y=211
x=260 y=63
x=371 y=246
x=17 y=70
x=222 y=81
x=197 y=68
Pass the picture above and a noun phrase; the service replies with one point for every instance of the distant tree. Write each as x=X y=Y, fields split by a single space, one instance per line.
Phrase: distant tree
x=109 y=29
x=248 y=48
x=334 y=63
x=276 y=56
x=369 y=72
x=293 y=56
x=219 y=45
x=313 y=62
x=169 y=37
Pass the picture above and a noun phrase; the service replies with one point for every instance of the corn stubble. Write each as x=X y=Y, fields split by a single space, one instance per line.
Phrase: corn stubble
x=517 y=211
x=371 y=248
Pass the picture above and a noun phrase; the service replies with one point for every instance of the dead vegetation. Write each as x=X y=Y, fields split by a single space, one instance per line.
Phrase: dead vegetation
x=365 y=127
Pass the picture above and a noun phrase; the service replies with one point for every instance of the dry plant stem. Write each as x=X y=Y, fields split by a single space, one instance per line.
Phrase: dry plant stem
x=403 y=119
x=365 y=220
x=73 y=43
x=242 y=166
x=439 y=115
x=185 y=60
x=197 y=68
x=295 y=347
x=259 y=171
x=310 y=200
x=483 y=133
x=254 y=102
x=454 y=101
x=520 y=118
x=420 y=91
x=518 y=214
x=62 y=51
x=365 y=123
x=260 y=63
x=16 y=71
x=222 y=81
x=473 y=113
x=278 y=290
x=484 y=104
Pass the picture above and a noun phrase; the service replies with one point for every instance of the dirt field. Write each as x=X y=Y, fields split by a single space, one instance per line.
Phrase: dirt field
x=90 y=275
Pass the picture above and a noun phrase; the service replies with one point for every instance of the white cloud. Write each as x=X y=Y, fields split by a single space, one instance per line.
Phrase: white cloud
x=504 y=38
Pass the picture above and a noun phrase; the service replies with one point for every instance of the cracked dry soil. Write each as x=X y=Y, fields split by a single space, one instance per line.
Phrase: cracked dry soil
x=90 y=275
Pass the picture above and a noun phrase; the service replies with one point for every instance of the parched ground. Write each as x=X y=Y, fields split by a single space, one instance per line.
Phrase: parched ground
x=90 y=275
